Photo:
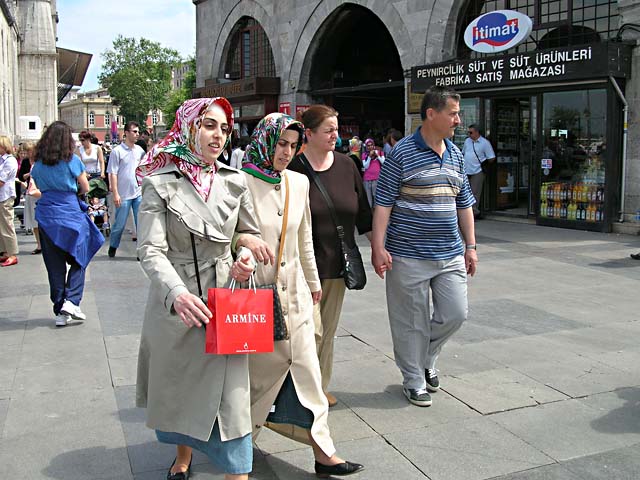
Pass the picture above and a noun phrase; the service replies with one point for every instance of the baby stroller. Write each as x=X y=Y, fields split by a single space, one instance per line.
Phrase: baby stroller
x=98 y=211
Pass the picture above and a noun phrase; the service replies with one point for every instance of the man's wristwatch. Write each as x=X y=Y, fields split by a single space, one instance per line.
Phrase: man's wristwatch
x=471 y=246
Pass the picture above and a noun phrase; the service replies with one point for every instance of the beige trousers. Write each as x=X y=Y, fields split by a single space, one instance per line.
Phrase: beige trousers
x=326 y=316
x=8 y=239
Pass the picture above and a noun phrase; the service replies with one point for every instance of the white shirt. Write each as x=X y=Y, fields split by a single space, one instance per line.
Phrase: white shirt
x=8 y=172
x=476 y=152
x=123 y=162
x=236 y=158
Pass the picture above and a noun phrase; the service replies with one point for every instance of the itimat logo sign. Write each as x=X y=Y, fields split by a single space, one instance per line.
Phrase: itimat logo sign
x=497 y=31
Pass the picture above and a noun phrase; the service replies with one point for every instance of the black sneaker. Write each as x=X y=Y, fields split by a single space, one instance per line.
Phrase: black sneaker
x=421 y=397
x=112 y=252
x=431 y=377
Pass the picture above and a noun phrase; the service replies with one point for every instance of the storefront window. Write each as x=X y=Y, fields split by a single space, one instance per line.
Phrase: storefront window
x=574 y=155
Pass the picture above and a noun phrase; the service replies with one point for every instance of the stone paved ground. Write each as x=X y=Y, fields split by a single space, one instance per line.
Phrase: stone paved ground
x=541 y=383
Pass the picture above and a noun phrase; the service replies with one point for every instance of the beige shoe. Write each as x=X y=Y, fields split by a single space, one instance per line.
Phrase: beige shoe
x=333 y=401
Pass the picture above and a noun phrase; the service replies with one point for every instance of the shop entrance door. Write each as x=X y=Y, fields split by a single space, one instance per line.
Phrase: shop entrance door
x=511 y=177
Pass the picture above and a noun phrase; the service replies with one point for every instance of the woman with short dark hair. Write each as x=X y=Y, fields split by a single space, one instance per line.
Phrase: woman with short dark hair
x=67 y=235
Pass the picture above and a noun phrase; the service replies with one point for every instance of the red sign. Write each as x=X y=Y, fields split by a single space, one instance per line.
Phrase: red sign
x=301 y=108
x=285 y=107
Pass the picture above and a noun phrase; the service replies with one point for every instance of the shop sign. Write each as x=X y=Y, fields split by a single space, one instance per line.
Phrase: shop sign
x=497 y=31
x=551 y=65
x=285 y=107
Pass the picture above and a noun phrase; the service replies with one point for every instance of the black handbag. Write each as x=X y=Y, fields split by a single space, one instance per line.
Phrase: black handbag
x=355 y=277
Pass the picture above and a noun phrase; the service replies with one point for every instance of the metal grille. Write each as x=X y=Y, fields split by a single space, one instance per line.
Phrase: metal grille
x=556 y=23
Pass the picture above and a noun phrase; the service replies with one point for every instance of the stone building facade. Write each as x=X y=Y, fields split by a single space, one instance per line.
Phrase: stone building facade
x=29 y=84
x=267 y=55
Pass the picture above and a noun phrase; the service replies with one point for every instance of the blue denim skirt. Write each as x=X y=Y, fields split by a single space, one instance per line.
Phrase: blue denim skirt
x=288 y=409
x=233 y=456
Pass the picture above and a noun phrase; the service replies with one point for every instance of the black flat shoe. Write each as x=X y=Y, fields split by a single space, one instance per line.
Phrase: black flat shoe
x=179 y=475
x=635 y=256
x=339 y=470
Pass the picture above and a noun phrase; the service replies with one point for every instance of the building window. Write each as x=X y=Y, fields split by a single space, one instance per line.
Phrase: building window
x=556 y=23
x=92 y=119
x=248 y=52
x=107 y=119
x=154 y=117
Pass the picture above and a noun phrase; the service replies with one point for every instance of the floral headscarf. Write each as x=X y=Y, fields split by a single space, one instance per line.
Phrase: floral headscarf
x=182 y=147
x=258 y=157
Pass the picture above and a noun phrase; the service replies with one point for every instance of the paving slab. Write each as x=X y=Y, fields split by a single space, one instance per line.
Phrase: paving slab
x=470 y=449
x=557 y=471
x=499 y=390
x=547 y=362
x=119 y=346
x=53 y=413
x=124 y=371
x=4 y=407
x=565 y=430
x=620 y=464
x=75 y=455
x=372 y=388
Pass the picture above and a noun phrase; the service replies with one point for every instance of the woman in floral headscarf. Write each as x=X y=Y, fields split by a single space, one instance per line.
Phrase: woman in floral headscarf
x=287 y=382
x=191 y=201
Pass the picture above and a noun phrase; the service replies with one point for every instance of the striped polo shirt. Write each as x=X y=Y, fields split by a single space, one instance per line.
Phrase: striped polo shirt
x=425 y=192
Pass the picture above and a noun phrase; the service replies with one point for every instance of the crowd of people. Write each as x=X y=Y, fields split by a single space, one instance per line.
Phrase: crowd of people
x=282 y=206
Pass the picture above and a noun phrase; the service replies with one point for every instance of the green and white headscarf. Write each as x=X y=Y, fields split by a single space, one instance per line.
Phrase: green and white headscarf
x=258 y=157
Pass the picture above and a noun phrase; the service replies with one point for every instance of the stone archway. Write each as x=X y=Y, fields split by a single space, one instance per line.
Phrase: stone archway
x=244 y=8
x=354 y=64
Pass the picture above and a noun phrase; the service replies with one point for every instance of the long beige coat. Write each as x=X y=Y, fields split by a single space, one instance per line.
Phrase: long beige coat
x=184 y=389
x=298 y=277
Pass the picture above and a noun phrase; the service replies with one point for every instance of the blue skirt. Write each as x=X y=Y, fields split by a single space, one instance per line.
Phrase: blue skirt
x=233 y=456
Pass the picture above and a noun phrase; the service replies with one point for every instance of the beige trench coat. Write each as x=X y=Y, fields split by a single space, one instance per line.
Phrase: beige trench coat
x=298 y=277
x=183 y=389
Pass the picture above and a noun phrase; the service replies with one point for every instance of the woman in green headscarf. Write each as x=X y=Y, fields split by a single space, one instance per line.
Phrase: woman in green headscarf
x=286 y=386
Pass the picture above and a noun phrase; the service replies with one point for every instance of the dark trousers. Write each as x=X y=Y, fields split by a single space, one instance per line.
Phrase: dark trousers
x=62 y=285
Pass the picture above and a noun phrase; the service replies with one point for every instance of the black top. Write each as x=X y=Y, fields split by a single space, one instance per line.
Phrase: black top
x=344 y=185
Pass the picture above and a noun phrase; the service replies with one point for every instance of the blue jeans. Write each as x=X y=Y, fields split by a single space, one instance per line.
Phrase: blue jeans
x=122 y=213
x=62 y=285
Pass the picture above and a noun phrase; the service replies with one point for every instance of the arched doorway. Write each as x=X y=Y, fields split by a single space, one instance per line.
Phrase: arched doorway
x=356 y=69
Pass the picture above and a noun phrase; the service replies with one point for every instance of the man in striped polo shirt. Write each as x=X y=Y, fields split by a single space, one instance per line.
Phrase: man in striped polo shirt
x=423 y=202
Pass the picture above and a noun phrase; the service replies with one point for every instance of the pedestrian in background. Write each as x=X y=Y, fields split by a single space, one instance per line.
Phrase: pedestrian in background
x=372 y=163
x=67 y=235
x=476 y=150
x=126 y=192
x=91 y=155
x=31 y=196
x=286 y=385
x=8 y=172
x=191 y=202
x=343 y=183
x=423 y=204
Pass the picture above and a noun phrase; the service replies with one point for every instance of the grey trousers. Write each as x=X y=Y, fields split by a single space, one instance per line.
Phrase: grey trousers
x=475 y=182
x=417 y=334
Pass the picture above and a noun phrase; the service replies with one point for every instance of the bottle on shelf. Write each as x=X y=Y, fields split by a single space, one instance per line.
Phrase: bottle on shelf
x=543 y=207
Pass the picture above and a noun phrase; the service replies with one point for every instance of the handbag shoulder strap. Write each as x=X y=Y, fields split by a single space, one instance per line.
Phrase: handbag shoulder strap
x=195 y=264
x=285 y=220
x=325 y=194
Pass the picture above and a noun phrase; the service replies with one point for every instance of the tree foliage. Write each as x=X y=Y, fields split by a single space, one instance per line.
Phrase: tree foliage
x=178 y=96
x=137 y=74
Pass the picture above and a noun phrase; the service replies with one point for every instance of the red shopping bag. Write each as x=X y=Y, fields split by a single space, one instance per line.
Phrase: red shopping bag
x=242 y=321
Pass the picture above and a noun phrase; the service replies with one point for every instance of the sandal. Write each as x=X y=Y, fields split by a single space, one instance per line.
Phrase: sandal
x=37 y=251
